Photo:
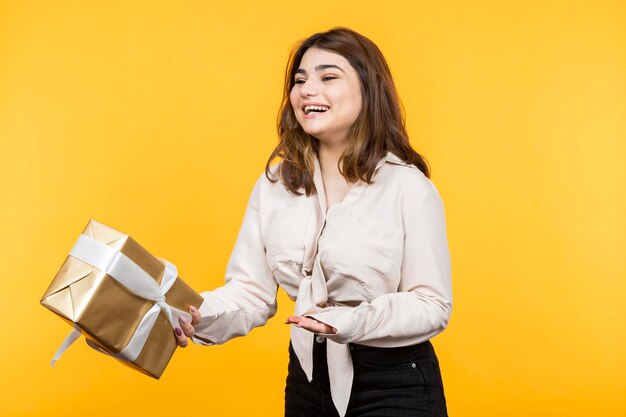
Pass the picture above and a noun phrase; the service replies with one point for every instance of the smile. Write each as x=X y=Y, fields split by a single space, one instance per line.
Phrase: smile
x=315 y=109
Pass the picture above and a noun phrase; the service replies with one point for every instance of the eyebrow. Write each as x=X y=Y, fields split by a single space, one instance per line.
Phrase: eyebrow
x=319 y=68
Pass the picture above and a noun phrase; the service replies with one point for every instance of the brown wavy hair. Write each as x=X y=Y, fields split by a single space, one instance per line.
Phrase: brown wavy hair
x=380 y=127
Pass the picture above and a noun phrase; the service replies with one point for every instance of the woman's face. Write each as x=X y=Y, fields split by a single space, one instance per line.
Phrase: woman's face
x=326 y=96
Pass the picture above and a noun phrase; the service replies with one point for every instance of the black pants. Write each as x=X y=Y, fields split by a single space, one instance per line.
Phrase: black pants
x=388 y=382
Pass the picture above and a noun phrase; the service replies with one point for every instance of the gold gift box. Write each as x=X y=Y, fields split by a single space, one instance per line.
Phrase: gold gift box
x=107 y=313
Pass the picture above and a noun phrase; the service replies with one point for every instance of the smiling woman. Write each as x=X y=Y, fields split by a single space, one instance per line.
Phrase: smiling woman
x=351 y=227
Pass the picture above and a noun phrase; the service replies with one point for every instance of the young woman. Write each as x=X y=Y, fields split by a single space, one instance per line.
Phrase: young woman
x=349 y=224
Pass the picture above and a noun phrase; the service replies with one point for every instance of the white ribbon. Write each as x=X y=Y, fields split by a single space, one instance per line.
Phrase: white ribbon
x=136 y=280
x=71 y=338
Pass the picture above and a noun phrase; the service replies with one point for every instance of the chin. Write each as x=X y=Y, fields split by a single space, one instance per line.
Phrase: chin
x=313 y=131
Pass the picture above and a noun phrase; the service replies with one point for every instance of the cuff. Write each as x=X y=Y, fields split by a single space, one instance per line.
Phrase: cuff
x=207 y=316
x=198 y=340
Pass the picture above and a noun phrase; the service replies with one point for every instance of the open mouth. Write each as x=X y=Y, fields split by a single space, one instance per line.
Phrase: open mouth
x=315 y=109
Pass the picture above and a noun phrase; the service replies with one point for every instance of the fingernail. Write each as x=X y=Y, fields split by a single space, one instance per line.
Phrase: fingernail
x=193 y=309
x=182 y=320
x=179 y=332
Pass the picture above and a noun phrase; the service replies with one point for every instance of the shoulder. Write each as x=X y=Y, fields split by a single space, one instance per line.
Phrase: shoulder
x=262 y=180
x=271 y=188
x=406 y=179
x=417 y=199
x=274 y=169
x=271 y=178
x=410 y=188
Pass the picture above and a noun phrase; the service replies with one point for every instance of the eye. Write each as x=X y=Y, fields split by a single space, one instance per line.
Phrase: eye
x=328 y=77
x=299 y=81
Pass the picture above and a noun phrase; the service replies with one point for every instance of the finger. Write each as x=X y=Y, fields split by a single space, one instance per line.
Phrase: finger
x=180 y=337
x=186 y=327
x=310 y=324
x=300 y=321
x=307 y=321
x=195 y=314
x=323 y=328
x=317 y=326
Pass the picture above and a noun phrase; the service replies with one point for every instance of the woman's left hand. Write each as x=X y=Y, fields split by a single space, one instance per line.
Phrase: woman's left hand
x=311 y=325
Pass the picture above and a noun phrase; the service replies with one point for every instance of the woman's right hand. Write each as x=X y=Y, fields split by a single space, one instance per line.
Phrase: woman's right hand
x=186 y=329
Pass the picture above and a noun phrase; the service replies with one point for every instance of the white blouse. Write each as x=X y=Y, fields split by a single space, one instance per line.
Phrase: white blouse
x=376 y=267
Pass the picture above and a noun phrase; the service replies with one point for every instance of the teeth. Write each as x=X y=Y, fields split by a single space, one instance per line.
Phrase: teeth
x=309 y=109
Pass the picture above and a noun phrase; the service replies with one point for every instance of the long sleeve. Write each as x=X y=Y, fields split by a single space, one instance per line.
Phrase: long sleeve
x=422 y=306
x=248 y=299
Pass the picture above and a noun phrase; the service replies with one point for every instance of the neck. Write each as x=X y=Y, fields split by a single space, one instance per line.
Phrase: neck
x=329 y=158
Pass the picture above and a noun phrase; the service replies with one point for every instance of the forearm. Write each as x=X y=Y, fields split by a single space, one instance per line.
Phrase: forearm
x=397 y=319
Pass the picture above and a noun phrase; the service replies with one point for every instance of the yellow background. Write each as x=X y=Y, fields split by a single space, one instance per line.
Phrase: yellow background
x=157 y=117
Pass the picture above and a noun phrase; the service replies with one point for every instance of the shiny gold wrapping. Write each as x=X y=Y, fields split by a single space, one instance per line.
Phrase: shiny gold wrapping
x=106 y=312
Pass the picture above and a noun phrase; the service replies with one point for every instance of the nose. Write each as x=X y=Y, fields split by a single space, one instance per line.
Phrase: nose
x=308 y=89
